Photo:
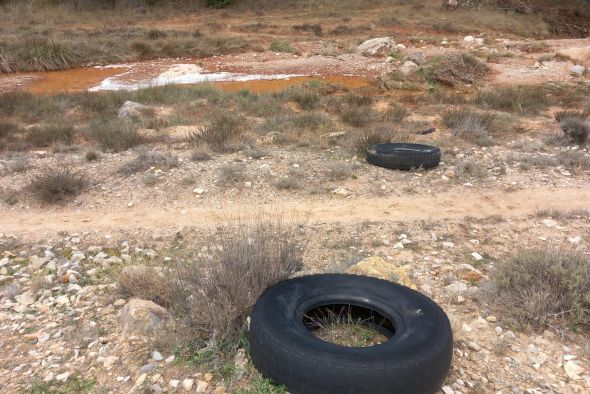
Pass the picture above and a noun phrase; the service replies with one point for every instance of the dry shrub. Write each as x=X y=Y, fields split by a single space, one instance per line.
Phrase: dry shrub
x=213 y=291
x=57 y=133
x=359 y=140
x=523 y=100
x=456 y=68
x=543 y=287
x=116 y=134
x=224 y=133
x=54 y=184
x=570 y=113
x=231 y=175
x=201 y=153
x=339 y=170
x=473 y=125
x=146 y=160
x=575 y=129
x=471 y=169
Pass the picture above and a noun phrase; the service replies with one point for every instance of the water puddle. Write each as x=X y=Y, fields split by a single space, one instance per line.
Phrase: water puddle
x=159 y=73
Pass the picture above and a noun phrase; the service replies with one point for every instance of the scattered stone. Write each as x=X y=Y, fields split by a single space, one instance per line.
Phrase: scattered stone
x=170 y=359
x=476 y=256
x=187 y=384
x=174 y=383
x=62 y=377
x=417 y=57
x=12 y=290
x=202 y=386
x=340 y=191
x=378 y=267
x=573 y=370
x=143 y=317
x=377 y=47
x=157 y=356
x=448 y=390
x=469 y=39
x=408 y=68
x=147 y=368
x=473 y=346
x=200 y=191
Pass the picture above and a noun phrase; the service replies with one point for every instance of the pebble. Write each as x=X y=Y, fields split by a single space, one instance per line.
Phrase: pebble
x=202 y=386
x=174 y=383
x=147 y=368
x=157 y=356
x=473 y=346
x=448 y=390
x=476 y=256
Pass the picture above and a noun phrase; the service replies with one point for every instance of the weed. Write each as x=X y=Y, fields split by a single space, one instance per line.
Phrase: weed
x=454 y=69
x=146 y=160
x=55 y=133
x=116 y=134
x=54 y=184
x=540 y=287
x=92 y=155
x=575 y=129
x=201 y=153
x=305 y=99
x=223 y=134
x=472 y=125
x=231 y=175
x=357 y=116
x=338 y=170
x=307 y=27
x=523 y=100
x=212 y=291
x=74 y=385
x=359 y=140
x=470 y=168
x=289 y=182
x=570 y=113
x=281 y=46
x=395 y=113
x=574 y=159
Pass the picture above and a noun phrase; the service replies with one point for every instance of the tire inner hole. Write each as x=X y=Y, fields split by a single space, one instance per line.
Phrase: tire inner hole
x=349 y=325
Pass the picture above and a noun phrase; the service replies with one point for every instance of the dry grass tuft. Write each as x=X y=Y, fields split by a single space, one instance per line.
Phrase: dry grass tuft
x=523 y=100
x=542 y=287
x=146 y=160
x=116 y=134
x=212 y=291
x=224 y=133
x=454 y=69
x=55 y=184
x=575 y=129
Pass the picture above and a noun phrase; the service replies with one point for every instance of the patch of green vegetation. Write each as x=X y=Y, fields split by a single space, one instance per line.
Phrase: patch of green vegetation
x=74 y=385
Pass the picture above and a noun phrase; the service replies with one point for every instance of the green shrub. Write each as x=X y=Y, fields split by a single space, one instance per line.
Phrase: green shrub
x=55 y=133
x=539 y=287
x=575 y=129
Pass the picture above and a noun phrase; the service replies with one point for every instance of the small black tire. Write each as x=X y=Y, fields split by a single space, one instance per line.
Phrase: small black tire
x=415 y=360
x=403 y=156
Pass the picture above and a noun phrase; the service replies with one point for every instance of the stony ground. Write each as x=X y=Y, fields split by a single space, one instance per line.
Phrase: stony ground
x=66 y=326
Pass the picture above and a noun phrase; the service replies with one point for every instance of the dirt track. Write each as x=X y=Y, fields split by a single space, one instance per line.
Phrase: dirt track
x=440 y=206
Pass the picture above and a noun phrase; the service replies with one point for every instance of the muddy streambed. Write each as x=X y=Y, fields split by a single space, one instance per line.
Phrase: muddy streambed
x=159 y=73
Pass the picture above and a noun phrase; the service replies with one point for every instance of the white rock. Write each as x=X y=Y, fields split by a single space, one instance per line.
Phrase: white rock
x=573 y=370
x=476 y=256
x=157 y=356
x=174 y=383
x=448 y=244
x=170 y=359
x=340 y=191
x=202 y=386
x=132 y=109
x=376 y=46
x=577 y=70
x=469 y=39
x=187 y=384
x=62 y=377
x=408 y=68
x=575 y=240
x=447 y=390
x=199 y=191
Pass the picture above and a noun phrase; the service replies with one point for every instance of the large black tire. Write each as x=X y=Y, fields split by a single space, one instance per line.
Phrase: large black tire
x=403 y=156
x=415 y=360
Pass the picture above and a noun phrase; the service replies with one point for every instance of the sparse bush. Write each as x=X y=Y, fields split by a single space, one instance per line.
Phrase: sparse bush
x=257 y=153
x=339 y=170
x=470 y=168
x=55 y=184
x=201 y=153
x=146 y=160
x=10 y=135
x=289 y=182
x=357 y=116
x=92 y=155
x=281 y=46
x=307 y=27
x=575 y=129
x=116 y=134
x=539 y=287
x=223 y=134
x=306 y=100
x=453 y=69
x=56 y=133
x=230 y=175
x=395 y=113
x=523 y=100
x=471 y=125
x=574 y=159
x=37 y=55
x=570 y=113
x=297 y=128
x=19 y=164
x=212 y=292
x=359 y=140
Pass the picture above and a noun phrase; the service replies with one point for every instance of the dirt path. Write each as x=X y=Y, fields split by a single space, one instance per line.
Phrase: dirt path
x=441 y=206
